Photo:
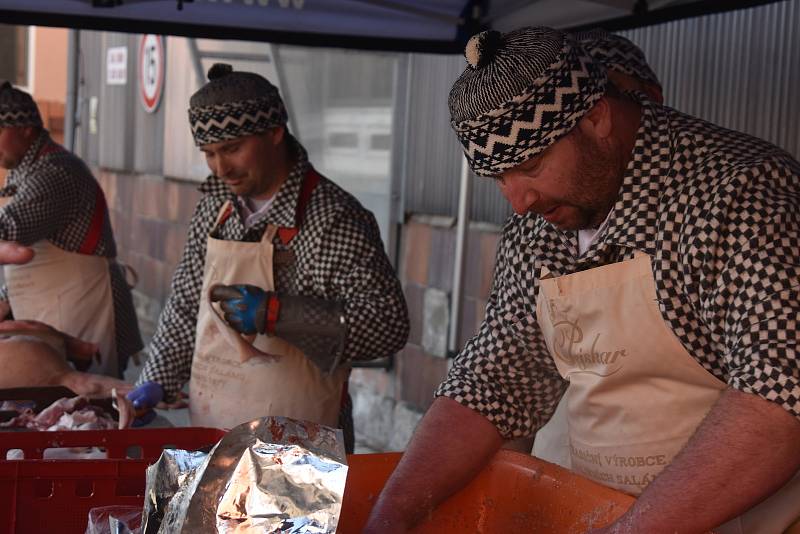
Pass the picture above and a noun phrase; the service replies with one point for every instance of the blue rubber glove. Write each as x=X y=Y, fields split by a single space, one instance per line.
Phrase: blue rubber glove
x=245 y=306
x=145 y=397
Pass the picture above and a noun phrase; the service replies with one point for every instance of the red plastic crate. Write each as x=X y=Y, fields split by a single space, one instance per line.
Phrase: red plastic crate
x=43 y=496
x=145 y=444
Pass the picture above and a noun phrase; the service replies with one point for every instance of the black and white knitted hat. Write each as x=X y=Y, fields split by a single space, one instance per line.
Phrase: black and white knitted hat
x=520 y=93
x=617 y=53
x=17 y=108
x=234 y=104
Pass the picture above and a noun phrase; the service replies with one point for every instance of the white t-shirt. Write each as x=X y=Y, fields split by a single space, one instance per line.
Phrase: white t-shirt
x=586 y=238
x=254 y=209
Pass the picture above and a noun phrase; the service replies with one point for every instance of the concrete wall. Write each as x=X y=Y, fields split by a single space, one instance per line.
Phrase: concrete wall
x=49 y=76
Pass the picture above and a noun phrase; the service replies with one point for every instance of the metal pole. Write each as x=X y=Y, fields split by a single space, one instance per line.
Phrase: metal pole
x=275 y=50
x=73 y=77
x=464 y=203
x=197 y=62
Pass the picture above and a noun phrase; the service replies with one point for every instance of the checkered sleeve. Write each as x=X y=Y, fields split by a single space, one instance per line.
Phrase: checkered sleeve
x=362 y=277
x=170 y=352
x=43 y=201
x=754 y=298
x=504 y=372
x=4 y=292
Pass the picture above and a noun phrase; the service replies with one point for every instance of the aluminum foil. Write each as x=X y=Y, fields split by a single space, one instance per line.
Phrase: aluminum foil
x=270 y=475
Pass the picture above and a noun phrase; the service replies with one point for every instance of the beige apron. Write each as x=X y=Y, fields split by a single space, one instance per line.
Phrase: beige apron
x=234 y=381
x=70 y=292
x=635 y=394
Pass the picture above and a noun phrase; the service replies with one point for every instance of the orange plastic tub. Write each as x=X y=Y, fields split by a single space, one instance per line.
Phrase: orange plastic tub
x=514 y=493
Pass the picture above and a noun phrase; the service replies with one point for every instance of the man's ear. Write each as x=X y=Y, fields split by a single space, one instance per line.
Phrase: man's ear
x=30 y=132
x=597 y=121
x=278 y=133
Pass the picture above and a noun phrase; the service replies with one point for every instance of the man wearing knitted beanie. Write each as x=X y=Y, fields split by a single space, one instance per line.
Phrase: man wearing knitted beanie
x=278 y=254
x=627 y=68
x=649 y=273
x=626 y=64
x=56 y=207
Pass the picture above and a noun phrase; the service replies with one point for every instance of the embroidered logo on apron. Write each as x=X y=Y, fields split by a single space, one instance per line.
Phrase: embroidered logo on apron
x=570 y=348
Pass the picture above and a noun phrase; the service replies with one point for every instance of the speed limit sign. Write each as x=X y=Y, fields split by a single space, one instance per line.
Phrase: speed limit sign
x=151 y=71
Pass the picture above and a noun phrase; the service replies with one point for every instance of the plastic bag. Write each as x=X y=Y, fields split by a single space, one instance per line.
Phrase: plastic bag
x=115 y=520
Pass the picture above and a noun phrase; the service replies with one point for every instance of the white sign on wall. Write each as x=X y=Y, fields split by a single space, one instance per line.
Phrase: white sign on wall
x=151 y=71
x=117 y=65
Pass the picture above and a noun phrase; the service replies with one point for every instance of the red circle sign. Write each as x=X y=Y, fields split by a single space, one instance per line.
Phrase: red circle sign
x=151 y=71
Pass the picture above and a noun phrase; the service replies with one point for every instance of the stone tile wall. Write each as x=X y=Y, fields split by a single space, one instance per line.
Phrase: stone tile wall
x=150 y=216
x=389 y=404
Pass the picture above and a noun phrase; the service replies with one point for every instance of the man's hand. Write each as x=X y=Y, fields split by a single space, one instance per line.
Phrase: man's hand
x=15 y=253
x=721 y=454
x=145 y=398
x=450 y=446
x=247 y=308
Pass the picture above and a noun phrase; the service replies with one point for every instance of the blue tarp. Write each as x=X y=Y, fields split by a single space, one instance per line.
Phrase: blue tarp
x=424 y=25
x=400 y=25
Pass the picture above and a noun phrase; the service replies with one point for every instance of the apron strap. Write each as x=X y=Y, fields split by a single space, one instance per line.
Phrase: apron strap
x=92 y=238
x=222 y=215
x=310 y=182
x=49 y=148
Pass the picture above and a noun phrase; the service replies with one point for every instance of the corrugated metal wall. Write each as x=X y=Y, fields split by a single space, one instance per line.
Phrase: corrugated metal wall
x=124 y=136
x=433 y=153
x=739 y=69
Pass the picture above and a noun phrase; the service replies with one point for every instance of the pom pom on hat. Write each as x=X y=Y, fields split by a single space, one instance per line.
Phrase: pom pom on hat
x=522 y=91
x=481 y=48
x=218 y=70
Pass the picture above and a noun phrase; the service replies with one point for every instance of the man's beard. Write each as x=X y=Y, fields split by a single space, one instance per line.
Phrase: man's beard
x=595 y=188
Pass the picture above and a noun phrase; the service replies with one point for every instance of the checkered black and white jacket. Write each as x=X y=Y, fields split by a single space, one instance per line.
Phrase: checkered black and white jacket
x=338 y=255
x=53 y=197
x=719 y=214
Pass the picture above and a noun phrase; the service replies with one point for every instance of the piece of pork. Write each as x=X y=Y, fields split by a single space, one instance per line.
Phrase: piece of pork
x=33 y=354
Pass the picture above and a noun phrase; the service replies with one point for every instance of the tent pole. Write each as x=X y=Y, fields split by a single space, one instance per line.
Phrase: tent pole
x=464 y=203
x=73 y=76
x=283 y=84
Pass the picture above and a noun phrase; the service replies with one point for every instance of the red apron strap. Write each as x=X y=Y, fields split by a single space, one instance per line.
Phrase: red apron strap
x=92 y=238
x=49 y=148
x=310 y=182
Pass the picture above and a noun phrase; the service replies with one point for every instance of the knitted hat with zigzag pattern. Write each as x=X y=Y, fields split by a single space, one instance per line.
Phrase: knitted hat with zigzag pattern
x=17 y=108
x=234 y=104
x=617 y=53
x=520 y=93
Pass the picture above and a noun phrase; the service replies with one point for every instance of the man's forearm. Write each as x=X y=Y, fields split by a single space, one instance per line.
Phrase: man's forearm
x=450 y=446
x=745 y=449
